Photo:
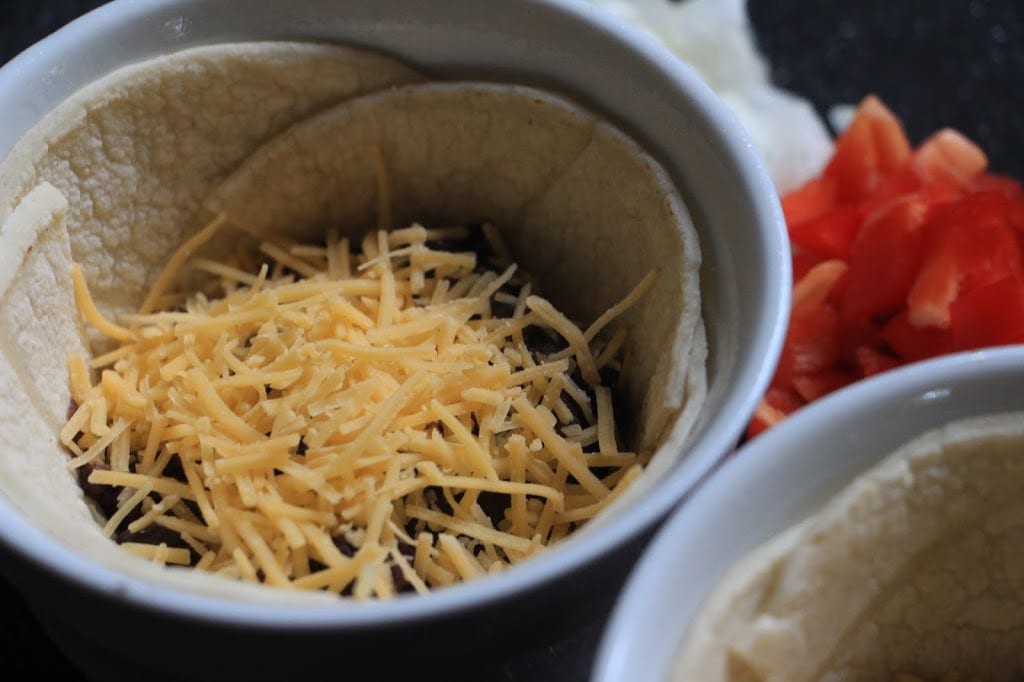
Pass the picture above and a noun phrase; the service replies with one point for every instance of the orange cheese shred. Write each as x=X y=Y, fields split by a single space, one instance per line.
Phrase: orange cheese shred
x=366 y=423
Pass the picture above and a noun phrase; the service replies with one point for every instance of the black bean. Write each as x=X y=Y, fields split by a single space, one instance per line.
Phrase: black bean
x=344 y=546
x=104 y=496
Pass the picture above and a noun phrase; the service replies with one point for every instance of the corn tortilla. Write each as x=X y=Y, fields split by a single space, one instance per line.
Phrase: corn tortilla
x=916 y=568
x=118 y=176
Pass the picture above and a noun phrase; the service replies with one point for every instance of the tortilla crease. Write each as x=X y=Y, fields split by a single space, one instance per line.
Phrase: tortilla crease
x=134 y=164
x=915 y=569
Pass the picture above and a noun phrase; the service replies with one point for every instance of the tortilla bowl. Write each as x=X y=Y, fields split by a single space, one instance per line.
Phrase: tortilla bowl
x=455 y=153
x=871 y=536
x=116 y=176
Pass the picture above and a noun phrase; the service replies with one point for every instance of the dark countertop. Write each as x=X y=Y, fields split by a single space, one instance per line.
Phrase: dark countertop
x=942 y=63
x=955 y=63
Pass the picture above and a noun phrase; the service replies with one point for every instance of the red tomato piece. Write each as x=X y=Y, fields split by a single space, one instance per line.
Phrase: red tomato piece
x=854 y=162
x=856 y=334
x=1015 y=218
x=948 y=156
x=764 y=418
x=935 y=287
x=817 y=285
x=873 y=146
x=898 y=255
x=783 y=399
x=830 y=235
x=968 y=244
x=912 y=343
x=872 y=361
x=989 y=315
x=803 y=261
x=899 y=183
x=776 y=405
x=885 y=260
x=1016 y=214
x=811 y=345
x=988 y=247
x=809 y=201
x=891 y=143
x=991 y=182
x=813 y=386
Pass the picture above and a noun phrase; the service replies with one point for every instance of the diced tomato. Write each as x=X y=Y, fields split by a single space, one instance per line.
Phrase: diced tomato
x=900 y=183
x=948 y=156
x=817 y=285
x=764 y=418
x=812 y=339
x=813 y=386
x=898 y=255
x=934 y=289
x=1015 y=217
x=986 y=244
x=858 y=333
x=905 y=183
x=969 y=244
x=803 y=261
x=872 y=361
x=811 y=345
x=783 y=399
x=831 y=234
x=773 y=408
x=891 y=143
x=854 y=163
x=989 y=315
x=913 y=343
x=873 y=146
x=990 y=182
x=809 y=201
x=885 y=259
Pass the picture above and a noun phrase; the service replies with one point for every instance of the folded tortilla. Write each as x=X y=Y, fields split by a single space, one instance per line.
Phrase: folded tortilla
x=915 y=569
x=134 y=164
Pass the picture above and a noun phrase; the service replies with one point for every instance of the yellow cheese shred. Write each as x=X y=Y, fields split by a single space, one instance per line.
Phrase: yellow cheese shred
x=83 y=299
x=367 y=423
x=177 y=260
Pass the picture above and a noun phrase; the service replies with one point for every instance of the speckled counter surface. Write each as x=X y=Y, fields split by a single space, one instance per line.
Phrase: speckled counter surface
x=936 y=63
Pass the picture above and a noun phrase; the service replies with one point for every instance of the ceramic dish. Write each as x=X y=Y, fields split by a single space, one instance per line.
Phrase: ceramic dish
x=114 y=626
x=777 y=481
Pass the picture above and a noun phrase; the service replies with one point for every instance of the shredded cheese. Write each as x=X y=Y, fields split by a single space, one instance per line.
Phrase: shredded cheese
x=367 y=423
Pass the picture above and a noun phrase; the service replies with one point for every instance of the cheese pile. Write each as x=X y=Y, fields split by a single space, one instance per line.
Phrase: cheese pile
x=367 y=423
